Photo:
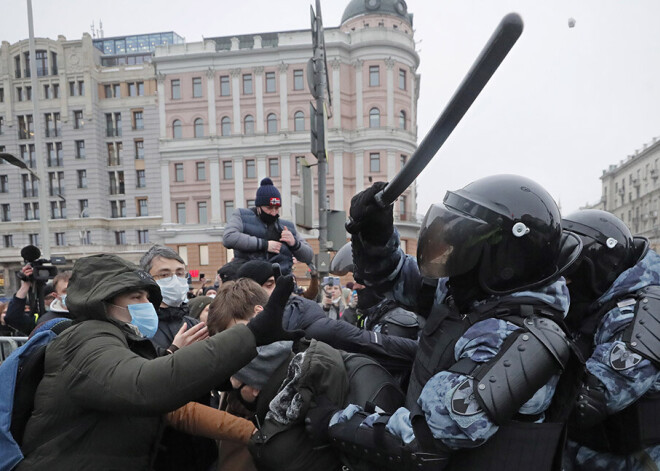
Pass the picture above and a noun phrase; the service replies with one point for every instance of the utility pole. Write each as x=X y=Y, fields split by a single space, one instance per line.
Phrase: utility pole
x=317 y=78
x=44 y=236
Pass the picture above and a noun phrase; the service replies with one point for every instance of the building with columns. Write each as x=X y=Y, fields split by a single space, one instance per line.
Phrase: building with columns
x=233 y=110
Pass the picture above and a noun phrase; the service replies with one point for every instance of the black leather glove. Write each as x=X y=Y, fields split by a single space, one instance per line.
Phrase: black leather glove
x=318 y=419
x=267 y=325
x=368 y=218
x=590 y=407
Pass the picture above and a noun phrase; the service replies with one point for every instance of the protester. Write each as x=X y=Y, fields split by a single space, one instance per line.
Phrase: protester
x=199 y=308
x=5 y=330
x=614 y=287
x=259 y=234
x=500 y=247
x=332 y=300
x=101 y=402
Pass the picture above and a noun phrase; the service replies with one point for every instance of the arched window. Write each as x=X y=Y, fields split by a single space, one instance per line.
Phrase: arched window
x=199 y=127
x=249 y=125
x=402 y=120
x=299 y=121
x=374 y=118
x=177 y=129
x=271 y=123
x=225 y=126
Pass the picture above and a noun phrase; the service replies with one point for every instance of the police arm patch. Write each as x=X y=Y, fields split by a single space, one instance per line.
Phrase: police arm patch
x=464 y=401
x=622 y=359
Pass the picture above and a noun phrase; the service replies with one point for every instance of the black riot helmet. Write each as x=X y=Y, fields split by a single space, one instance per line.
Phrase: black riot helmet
x=505 y=227
x=608 y=248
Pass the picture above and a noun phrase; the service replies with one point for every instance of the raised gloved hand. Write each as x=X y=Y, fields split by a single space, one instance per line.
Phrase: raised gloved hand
x=318 y=419
x=590 y=407
x=368 y=218
x=267 y=325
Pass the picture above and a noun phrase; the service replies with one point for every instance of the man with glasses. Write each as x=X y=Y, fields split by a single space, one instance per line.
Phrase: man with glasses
x=332 y=301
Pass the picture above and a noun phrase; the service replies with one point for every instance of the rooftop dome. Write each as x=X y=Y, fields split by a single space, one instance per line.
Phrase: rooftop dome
x=369 y=7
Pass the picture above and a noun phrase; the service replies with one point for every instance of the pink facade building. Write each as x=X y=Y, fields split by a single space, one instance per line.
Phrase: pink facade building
x=233 y=110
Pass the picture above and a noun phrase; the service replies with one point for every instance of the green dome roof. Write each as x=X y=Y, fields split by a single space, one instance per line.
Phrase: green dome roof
x=369 y=7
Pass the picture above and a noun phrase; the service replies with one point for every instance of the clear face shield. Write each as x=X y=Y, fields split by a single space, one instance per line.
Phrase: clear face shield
x=452 y=241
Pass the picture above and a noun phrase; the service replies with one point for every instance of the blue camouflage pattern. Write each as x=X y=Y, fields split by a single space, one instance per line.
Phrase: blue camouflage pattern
x=626 y=383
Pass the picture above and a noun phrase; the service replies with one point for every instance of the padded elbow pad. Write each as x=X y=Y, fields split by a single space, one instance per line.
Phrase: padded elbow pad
x=528 y=360
x=643 y=336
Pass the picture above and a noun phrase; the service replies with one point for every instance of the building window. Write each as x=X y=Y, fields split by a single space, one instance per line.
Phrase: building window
x=2 y=95
x=199 y=127
x=249 y=204
x=6 y=213
x=227 y=170
x=140 y=179
x=143 y=236
x=271 y=123
x=402 y=79
x=53 y=128
x=113 y=124
x=25 y=127
x=249 y=125
x=56 y=183
x=176 y=89
x=120 y=237
x=201 y=212
x=225 y=126
x=181 y=213
x=300 y=161
x=224 y=85
x=402 y=208
x=374 y=76
x=201 y=171
x=247 y=84
x=116 y=180
x=55 y=154
x=78 y=121
x=8 y=240
x=139 y=150
x=59 y=239
x=112 y=90
x=56 y=90
x=17 y=66
x=78 y=89
x=82 y=178
x=132 y=89
x=31 y=211
x=197 y=87
x=229 y=208
x=178 y=172
x=118 y=209
x=42 y=63
x=47 y=92
x=203 y=254
x=374 y=118
x=138 y=121
x=402 y=120
x=177 y=132
x=114 y=153
x=142 y=207
x=250 y=169
x=19 y=93
x=374 y=162
x=34 y=239
x=30 y=186
x=270 y=82
x=85 y=238
x=4 y=184
x=80 y=149
x=2 y=125
x=27 y=155
x=298 y=83
x=58 y=210
x=299 y=121
x=83 y=207
x=274 y=167
x=404 y=159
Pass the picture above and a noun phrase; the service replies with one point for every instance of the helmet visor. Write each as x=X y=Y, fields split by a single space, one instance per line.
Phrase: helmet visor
x=342 y=262
x=451 y=241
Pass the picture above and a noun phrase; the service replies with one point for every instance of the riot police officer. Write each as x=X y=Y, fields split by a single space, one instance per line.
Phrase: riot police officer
x=615 y=314
x=491 y=351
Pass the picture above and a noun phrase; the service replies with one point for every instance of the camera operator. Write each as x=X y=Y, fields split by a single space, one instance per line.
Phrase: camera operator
x=332 y=301
x=25 y=322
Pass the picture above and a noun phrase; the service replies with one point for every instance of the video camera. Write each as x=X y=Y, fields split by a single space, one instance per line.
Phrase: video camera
x=43 y=269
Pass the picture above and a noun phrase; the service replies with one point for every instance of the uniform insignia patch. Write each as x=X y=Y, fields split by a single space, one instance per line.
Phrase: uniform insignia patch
x=622 y=359
x=463 y=402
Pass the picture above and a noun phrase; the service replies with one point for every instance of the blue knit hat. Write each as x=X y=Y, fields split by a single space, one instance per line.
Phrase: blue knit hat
x=267 y=194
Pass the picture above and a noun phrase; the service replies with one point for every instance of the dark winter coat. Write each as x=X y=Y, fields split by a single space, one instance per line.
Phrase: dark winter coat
x=248 y=236
x=170 y=320
x=101 y=402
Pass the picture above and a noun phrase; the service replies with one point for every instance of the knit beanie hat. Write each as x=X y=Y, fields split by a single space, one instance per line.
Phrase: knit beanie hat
x=197 y=305
x=257 y=270
x=229 y=271
x=261 y=368
x=267 y=194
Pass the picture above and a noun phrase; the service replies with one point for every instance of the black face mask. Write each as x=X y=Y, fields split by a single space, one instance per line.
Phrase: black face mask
x=267 y=218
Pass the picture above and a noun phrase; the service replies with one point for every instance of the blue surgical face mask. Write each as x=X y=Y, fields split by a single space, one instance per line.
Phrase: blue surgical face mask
x=144 y=317
x=174 y=290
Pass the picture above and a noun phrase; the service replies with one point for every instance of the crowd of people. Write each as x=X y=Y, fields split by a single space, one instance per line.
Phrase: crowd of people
x=515 y=340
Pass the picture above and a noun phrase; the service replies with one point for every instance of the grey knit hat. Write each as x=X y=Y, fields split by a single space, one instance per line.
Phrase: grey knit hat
x=261 y=368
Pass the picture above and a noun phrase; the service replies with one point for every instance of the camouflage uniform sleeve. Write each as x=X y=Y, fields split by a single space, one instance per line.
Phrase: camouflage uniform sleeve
x=452 y=412
x=625 y=374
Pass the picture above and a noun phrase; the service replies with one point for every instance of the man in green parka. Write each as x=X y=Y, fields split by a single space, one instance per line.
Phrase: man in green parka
x=101 y=402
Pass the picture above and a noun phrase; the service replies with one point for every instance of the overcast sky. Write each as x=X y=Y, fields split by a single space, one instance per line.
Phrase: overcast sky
x=564 y=105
